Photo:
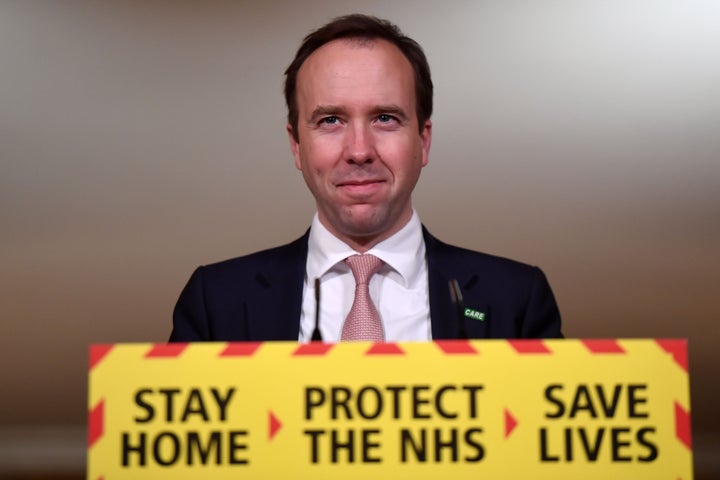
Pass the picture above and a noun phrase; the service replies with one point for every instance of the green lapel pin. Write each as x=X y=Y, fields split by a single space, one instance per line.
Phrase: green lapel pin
x=474 y=314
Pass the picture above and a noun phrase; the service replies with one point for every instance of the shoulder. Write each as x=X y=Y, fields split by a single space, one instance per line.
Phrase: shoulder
x=459 y=259
x=516 y=297
x=268 y=260
x=491 y=276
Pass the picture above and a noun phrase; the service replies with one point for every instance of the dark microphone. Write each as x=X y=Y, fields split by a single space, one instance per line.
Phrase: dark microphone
x=316 y=335
x=457 y=300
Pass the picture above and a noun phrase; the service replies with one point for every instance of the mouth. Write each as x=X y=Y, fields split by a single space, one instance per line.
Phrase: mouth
x=360 y=188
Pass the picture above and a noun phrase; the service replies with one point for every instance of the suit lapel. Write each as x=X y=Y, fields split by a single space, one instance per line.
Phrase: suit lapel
x=441 y=308
x=446 y=263
x=279 y=281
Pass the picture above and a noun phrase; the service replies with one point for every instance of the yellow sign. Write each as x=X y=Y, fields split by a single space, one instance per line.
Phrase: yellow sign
x=505 y=409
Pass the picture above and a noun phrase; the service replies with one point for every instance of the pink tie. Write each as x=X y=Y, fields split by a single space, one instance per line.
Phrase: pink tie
x=363 y=321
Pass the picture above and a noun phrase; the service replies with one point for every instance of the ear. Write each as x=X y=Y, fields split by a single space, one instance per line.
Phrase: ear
x=294 y=146
x=425 y=140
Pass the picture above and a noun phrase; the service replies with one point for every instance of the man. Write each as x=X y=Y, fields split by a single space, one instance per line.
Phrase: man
x=359 y=98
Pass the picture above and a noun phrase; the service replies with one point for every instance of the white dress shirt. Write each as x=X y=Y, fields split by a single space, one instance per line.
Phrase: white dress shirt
x=399 y=289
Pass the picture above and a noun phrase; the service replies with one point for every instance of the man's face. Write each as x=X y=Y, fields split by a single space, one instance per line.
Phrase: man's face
x=360 y=149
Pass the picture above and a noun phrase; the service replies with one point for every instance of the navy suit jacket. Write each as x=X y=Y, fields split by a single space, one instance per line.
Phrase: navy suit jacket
x=258 y=297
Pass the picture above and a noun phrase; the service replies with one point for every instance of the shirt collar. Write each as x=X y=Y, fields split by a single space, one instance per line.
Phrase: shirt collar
x=403 y=252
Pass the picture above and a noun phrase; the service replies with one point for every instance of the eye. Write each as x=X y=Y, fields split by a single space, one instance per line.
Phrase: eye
x=385 y=118
x=331 y=120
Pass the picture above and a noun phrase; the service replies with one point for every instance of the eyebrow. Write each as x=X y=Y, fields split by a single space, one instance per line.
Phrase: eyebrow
x=322 y=110
x=391 y=109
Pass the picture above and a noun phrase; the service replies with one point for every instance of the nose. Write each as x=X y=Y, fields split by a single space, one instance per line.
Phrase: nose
x=360 y=144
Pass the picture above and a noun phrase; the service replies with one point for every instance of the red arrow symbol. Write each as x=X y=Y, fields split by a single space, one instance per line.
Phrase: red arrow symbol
x=510 y=423
x=274 y=425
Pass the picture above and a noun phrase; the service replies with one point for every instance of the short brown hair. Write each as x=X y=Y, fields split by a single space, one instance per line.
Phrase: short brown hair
x=370 y=28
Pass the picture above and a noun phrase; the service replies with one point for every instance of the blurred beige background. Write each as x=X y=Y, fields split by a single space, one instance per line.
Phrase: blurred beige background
x=141 y=139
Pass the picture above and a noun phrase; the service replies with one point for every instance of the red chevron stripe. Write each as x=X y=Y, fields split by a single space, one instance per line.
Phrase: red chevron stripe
x=313 y=348
x=456 y=347
x=240 y=349
x=529 y=346
x=603 y=346
x=96 y=425
x=682 y=426
x=385 y=349
x=98 y=352
x=165 y=350
x=677 y=348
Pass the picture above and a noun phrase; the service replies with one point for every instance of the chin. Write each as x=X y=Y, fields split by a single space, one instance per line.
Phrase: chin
x=366 y=231
x=365 y=219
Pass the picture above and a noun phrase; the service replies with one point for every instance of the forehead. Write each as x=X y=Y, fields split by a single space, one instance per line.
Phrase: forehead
x=355 y=49
x=354 y=69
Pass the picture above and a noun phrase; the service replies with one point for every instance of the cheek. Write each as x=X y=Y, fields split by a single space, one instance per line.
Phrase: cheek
x=319 y=154
x=314 y=165
x=405 y=156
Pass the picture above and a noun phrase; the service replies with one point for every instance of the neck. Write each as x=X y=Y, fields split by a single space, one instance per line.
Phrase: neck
x=364 y=242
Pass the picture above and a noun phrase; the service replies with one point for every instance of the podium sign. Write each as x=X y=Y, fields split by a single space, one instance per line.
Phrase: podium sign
x=553 y=409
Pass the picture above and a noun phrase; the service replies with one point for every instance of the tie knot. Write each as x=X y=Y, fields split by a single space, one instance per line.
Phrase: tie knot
x=363 y=267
